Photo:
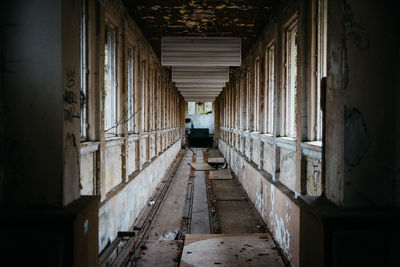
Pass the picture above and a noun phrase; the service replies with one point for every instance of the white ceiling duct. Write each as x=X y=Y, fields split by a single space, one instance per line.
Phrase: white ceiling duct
x=201 y=51
x=190 y=89
x=201 y=85
x=189 y=99
x=200 y=74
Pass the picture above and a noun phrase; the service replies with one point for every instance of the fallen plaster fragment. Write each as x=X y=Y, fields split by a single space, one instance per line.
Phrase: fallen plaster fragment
x=169 y=236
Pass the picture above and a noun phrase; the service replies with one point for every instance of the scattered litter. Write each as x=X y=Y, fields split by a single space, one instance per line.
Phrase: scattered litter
x=170 y=236
x=151 y=203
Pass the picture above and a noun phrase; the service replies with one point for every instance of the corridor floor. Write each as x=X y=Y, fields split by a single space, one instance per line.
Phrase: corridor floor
x=206 y=219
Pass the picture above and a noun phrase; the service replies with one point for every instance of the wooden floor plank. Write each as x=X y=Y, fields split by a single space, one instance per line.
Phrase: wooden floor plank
x=160 y=253
x=227 y=190
x=224 y=174
x=230 y=250
x=238 y=217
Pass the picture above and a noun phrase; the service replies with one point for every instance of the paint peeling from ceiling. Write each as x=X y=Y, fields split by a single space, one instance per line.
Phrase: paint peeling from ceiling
x=240 y=18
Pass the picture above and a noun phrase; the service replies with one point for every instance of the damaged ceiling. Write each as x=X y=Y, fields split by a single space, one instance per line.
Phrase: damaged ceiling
x=239 y=18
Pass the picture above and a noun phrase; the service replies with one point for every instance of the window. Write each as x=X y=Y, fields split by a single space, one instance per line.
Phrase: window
x=110 y=112
x=208 y=107
x=270 y=57
x=131 y=90
x=256 y=94
x=290 y=79
x=200 y=108
x=84 y=72
x=249 y=113
x=191 y=108
x=143 y=95
x=321 y=61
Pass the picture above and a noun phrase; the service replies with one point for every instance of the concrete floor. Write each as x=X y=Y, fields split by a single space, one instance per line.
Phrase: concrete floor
x=242 y=230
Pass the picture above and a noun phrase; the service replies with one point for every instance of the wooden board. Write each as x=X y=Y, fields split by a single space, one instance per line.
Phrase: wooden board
x=227 y=190
x=160 y=253
x=230 y=250
x=238 y=217
x=201 y=166
x=214 y=153
x=216 y=160
x=221 y=175
x=200 y=223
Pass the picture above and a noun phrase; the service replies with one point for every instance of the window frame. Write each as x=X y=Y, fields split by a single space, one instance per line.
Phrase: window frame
x=270 y=87
x=321 y=63
x=143 y=88
x=131 y=87
x=290 y=85
x=84 y=71
x=110 y=128
x=257 y=90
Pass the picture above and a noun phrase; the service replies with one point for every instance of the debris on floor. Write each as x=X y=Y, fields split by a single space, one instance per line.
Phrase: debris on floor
x=201 y=166
x=230 y=250
x=170 y=235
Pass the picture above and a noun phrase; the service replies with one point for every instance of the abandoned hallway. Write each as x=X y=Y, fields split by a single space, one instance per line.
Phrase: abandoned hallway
x=200 y=133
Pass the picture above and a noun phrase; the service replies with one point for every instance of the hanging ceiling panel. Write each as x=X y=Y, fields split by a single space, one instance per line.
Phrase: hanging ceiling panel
x=200 y=85
x=189 y=89
x=200 y=94
x=200 y=74
x=201 y=51
x=199 y=99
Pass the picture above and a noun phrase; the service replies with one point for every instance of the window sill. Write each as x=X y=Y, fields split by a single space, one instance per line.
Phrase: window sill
x=255 y=135
x=89 y=147
x=133 y=137
x=312 y=149
x=286 y=143
x=246 y=133
x=114 y=141
x=266 y=137
x=313 y=145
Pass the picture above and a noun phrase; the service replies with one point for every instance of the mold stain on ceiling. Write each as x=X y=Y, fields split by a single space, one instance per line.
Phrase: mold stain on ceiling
x=200 y=18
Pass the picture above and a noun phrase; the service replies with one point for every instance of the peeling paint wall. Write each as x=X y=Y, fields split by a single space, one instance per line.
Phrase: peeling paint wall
x=287 y=174
x=269 y=155
x=369 y=132
x=113 y=167
x=88 y=173
x=120 y=211
x=124 y=168
x=280 y=212
x=315 y=185
x=40 y=63
x=131 y=161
